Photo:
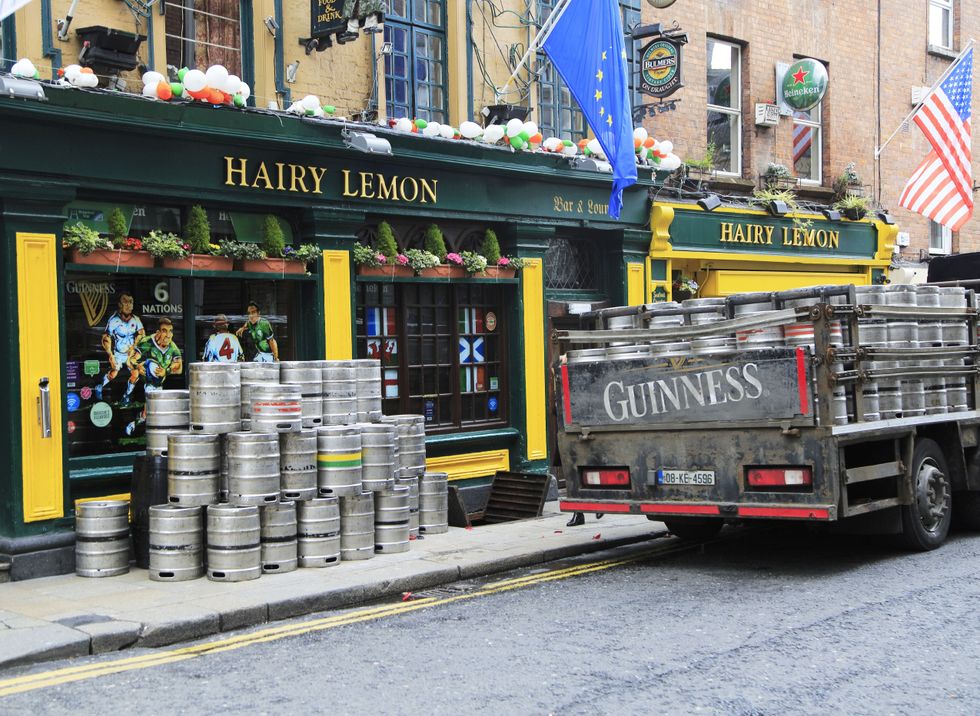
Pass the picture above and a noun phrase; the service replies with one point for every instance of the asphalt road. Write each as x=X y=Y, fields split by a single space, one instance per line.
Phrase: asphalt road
x=772 y=622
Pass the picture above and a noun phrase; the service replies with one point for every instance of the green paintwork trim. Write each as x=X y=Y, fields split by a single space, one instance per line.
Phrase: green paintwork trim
x=571 y=295
x=97 y=268
x=101 y=466
x=658 y=270
x=439 y=445
x=8 y=41
x=47 y=45
x=248 y=44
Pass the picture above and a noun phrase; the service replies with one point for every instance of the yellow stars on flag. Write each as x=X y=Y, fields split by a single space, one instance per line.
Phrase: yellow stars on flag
x=624 y=53
x=602 y=111
x=603 y=54
x=598 y=94
x=609 y=120
x=598 y=75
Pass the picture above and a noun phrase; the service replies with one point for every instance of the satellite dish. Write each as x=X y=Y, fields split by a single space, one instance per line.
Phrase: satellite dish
x=661 y=3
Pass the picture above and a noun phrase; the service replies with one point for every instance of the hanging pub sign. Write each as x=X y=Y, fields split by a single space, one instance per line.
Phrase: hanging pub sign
x=660 y=66
x=342 y=19
x=804 y=84
x=327 y=17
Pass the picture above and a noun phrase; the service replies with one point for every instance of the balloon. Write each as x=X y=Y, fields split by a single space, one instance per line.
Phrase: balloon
x=671 y=163
x=318 y=112
x=432 y=129
x=151 y=78
x=640 y=134
x=329 y=109
x=666 y=147
x=216 y=96
x=164 y=91
x=86 y=78
x=531 y=128
x=194 y=81
x=23 y=68
x=514 y=127
x=151 y=90
x=650 y=143
x=493 y=134
x=517 y=142
x=200 y=94
x=470 y=130
x=447 y=132
x=421 y=124
x=244 y=91
x=232 y=84
x=569 y=150
x=524 y=135
x=216 y=76
x=225 y=97
x=404 y=124
x=310 y=102
x=177 y=89
x=71 y=71
x=181 y=72
x=239 y=100
x=536 y=138
x=594 y=147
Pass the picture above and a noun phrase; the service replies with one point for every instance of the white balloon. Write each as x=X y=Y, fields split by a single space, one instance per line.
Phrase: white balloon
x=296 y=108
x=640 y=133
x=570 y=150
x=470 y=130
x=404 y=124
x=494 y=133
x=431 y=129
x=447 y=132
x=531 y=128
x=665 y=147
x=194 y=81
x=594 y=147
x=514 y=127
x=72 y=71
x=23 y=68
x=216 y=76
x=671 y=163
x=232 y=84
x=150 y=90
x=318 y=112
x=552 y=144
x=244 y=91
x=310 y=102
x=151 y=78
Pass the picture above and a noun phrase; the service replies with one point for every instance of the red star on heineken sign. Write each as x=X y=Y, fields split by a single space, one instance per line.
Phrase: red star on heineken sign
x=800 y=76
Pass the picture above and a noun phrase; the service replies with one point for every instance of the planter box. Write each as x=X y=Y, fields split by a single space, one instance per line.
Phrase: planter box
x=854 y=214
x=443 y=271
x=386 y=271
x=113 y=257
x=279 y=266
x=496 y=272
x=201 y=262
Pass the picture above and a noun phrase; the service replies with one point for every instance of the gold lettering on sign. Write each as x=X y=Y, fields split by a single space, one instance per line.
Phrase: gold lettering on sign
x=732 y=233
x=413 y=185
x=262 y=174
x=279 y=166
x=429 y=190
x=298 y=175
x=388 y=191
x=317 y=177
x=231 y=171
x=347 y=191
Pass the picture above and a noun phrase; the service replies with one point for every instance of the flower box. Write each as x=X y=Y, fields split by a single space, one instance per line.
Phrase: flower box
x=113 y=257
x=443 y=271
x=280 y=266
x=854 y=214
x=201 y=262
x=390 y=271
x=496 y=272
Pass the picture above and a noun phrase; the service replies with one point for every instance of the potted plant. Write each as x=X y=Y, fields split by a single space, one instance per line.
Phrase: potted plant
x=87 y=246
x=779 y=202
x=473 y=262
x=425 y=263
x=197 y=234
x=165 y=246
x=386 y=260
x=700 y=169
x=852 y=206
x=847 y=182
x=777 y=176
x=240 y=251
x=684 y=288
x=497 y=266
x=270 y=258
x=305 y=253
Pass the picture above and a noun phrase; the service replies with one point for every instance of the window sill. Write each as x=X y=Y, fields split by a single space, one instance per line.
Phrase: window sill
x=940 y=51
x=815 y=191
x=733 y=182
x=449 y=442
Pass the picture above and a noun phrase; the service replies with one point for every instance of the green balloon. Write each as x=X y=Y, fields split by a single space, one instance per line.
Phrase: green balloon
x=421 y=123
x=239 y=100
x=517 y=142
x=525 y=136
x=181 y=72
x=329 y=109
x=177 y=88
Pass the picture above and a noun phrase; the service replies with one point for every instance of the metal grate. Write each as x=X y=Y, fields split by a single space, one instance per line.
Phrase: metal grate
x=571 y=265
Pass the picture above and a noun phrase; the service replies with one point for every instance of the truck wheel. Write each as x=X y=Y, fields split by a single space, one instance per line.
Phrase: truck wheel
x=967 y=513
x=925 y=522
x=694 y=529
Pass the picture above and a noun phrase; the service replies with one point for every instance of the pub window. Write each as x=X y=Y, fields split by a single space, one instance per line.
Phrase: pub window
x=415 y=71
x=630 y=10
x=941 y=23
x=442 y=348
x=571 y=265
x=940 y=239
x=725 y=105
x=201 y=33
x=808 y=144
x=558 y=112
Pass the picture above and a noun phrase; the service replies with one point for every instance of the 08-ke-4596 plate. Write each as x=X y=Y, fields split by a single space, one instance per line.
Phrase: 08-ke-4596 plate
x=698 y=478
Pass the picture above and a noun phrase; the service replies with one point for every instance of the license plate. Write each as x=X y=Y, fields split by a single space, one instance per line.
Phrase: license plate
x=686 y=477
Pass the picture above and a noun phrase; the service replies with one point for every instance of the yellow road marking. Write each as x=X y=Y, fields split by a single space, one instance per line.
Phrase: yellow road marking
x=32 y=682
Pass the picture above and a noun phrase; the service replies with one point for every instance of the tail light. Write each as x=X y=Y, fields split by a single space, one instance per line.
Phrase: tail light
x=780 y=476
x=606 y=477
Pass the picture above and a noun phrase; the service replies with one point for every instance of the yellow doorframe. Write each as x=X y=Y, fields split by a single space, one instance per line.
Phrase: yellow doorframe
x=337 y=321
x=535 y=395
x=42 y=456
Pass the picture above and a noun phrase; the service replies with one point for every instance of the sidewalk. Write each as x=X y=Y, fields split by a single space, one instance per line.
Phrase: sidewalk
x=65 y=616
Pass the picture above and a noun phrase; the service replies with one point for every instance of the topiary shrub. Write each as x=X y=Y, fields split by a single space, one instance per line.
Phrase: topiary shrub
x=490 y=247
x=118 y=227
x=387 y=246
x=273 y=241
x=434 y=243
x=197 y=231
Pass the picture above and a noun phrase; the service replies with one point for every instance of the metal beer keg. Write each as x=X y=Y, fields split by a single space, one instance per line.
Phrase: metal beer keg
x=102 y=538
x=318 y=523
x=176 y=543
x=253 y=468
x=193 y=466
x=234 y=543
x=434 y=503
x=215 y=398
x=338 y=459
x=357 y=526
x=309 y=376
x=297 y=465
x=278 y=537
x=277 y=408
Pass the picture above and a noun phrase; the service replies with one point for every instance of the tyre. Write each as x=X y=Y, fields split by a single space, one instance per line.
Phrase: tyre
x=967 y=513
x=694 y=529
x=925 y=522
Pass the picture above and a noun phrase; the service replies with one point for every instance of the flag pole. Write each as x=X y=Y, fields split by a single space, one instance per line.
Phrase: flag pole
x=929 y=94
x=538 y=40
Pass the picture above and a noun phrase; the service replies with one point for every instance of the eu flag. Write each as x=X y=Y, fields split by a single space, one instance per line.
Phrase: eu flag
x=587 y=48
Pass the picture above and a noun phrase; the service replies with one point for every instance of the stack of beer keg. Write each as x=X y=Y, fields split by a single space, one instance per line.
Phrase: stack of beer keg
x=270 y=467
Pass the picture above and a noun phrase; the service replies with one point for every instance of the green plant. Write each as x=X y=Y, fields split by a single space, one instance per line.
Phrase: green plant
x=434 y=242
x=164 y=245
x=84 y=239
x=366 y=256
x=511 y=262
x=491 y=247
x=765 y=197
x=197 y=231
x=775 y=174
x=307 y=253
x=847 y=178
x=854 y=205
x=473 y=262
x=118 y=226
x=420 y=259
x=241 y=250
x=273 y=240
x=387 y=246
x=707 y=162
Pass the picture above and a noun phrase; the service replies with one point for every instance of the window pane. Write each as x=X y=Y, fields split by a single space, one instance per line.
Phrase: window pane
x=806 y=155
x=940 y=21
x=723 y=133
x=723 y=74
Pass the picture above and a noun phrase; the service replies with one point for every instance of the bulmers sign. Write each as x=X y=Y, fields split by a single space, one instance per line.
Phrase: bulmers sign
x=660 y=67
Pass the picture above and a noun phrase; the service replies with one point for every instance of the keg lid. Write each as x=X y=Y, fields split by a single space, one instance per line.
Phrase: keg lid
x=176 y=394
x=201 y=367
x=225 y=509
x=179 y=510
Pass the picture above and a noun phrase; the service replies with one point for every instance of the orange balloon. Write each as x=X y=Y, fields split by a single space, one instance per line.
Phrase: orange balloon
x=226 y=98
x=637 y=143
x=582 y=143
x=650 y=141
x=217 y=96
x=163 y=90
x=199 y=94
x=87 y=71
x=536 y=138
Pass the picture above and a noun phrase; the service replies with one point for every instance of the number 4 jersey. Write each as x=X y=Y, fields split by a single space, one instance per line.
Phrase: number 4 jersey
x=223 y=348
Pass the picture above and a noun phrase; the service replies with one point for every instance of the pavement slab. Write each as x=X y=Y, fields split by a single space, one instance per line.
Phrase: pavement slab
x=66 y=615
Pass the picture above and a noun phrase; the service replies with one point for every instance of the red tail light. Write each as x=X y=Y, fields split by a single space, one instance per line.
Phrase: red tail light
x=780 y=476
x=606 y=477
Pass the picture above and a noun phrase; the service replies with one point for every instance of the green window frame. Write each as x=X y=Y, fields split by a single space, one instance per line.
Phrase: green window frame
x=416 y=71
x=179 y=44
x=8 y=44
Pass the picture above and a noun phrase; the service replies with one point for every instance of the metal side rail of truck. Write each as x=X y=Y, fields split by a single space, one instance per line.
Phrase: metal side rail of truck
x=852 y=406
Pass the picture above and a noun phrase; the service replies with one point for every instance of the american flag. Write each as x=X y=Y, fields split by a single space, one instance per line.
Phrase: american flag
x=941 y=188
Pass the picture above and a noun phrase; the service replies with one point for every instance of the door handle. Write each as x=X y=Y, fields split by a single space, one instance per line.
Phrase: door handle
x=44 y=407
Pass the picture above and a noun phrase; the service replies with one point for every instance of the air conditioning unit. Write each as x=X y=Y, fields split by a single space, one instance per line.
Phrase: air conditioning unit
x=919 y=94
x=766 y=115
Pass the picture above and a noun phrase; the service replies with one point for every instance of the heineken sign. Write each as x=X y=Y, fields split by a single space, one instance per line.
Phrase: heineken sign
x=660 y=67
x=804 y=84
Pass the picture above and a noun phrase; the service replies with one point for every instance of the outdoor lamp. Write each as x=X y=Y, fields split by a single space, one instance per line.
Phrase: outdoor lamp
x=831 y=214
x=710 y=202
x=778 y=208
x=291 y=72
x=885 y=218
x=20 y=88
x=366 y=142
